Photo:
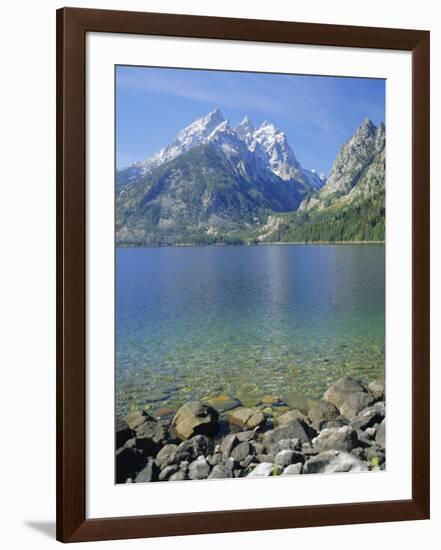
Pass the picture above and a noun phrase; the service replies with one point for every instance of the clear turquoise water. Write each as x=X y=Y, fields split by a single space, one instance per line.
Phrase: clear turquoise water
x=247 y=321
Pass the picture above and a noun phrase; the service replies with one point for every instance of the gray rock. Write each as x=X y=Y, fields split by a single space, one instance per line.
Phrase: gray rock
x=265 y=469
x=321 y=412
x=228 y=442
x=184 y=465
x=247 y=461
x=336 y=423
x=192 y=449
x=332 y=462
x=377 y=389
x=246 y=418
x=199 y=469
x=178 y=476
x=264 y=458
x=248 y=435
x=380 y=436
x=167 y=472
x=221 y=471
x=290 y=416
x=338 y=393
x=241 y=451
x=135 y=419
x=296 y=429
x=214 y=459
x=149 y=473
x=289 y=444
x=165 y=453
x=293 y=469
x=195 y=418
x=288 y=457
x=338 y=439
x=150 y=435
x=370 y=416
x=364 y=440
x=258 y=448
x=355 y=403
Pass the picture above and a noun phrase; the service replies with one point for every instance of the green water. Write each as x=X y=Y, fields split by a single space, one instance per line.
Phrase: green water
x=247 y=321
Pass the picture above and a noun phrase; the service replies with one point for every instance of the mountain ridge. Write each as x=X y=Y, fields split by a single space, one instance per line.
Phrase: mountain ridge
x=214 y=183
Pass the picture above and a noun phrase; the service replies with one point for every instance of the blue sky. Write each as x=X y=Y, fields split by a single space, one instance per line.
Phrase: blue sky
x=318 y=114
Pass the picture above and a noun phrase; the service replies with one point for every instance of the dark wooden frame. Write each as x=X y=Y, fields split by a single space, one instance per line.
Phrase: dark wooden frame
x=72 y=26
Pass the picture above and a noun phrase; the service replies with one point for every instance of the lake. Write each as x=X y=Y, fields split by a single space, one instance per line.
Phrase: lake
x=247 y=321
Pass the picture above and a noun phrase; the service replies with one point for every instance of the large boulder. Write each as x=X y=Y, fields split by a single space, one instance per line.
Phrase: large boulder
x=195 y=418
x=355 y=403
x=338 y=439
x=332 y=462
x=246 y=418
x=293 y=430
x=338 y=393
x=322 y=411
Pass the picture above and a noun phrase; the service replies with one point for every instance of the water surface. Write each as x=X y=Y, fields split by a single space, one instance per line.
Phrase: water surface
x=246 y=320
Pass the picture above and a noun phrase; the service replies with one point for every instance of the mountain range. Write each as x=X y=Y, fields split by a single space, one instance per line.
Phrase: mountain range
x=219 y=184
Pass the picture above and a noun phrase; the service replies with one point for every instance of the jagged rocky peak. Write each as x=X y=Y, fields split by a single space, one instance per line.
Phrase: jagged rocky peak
x=245 y=129
x=202 y=127
x=361 y=155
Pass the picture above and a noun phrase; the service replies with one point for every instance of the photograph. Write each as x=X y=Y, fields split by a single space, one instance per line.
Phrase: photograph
x=250 y=274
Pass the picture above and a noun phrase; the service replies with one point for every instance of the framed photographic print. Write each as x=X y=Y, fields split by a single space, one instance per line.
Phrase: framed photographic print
x=243 y=274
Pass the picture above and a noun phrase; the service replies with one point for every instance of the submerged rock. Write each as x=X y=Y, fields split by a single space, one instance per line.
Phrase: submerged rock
x=195 y=418
x=222 y=402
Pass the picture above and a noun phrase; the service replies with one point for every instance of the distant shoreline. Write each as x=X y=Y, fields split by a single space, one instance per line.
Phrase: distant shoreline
x=298 y=243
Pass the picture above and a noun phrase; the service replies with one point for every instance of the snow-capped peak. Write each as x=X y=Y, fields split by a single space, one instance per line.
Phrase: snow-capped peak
x=200 y=128
x=245 y=129
x=266 y=148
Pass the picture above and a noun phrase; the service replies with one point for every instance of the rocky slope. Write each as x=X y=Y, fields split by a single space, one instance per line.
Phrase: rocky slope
x=219 y=438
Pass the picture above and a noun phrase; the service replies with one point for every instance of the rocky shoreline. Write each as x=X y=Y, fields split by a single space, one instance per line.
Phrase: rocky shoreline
x=218 y=438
